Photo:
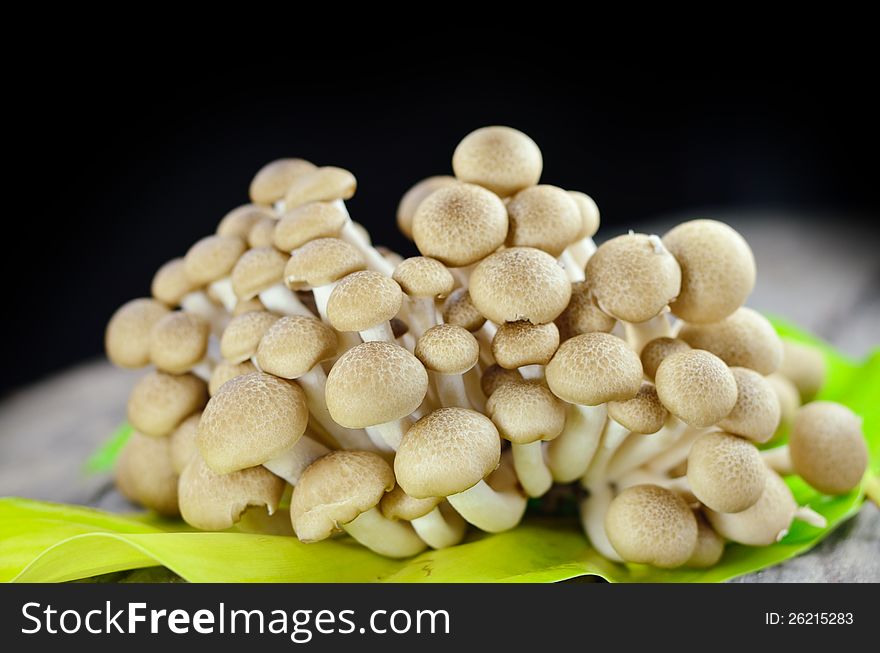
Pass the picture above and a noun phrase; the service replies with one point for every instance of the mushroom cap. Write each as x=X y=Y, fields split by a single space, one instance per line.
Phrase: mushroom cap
x=406 y=209
x=788 y=395
x=589 y=213
x=828 y=448
x=170 y=283
x=240 y=220
x=656 y=350
x=257 y=270
x=526 y=412
x=243 y=333
x=804 y=365
x=182 y=444
x=160 y=401
x=643 y=413
x=520 y=283
x=522 y=343
x=262 y=233
x=374 y=383
x=717 y=270
x=214 y=502
x=178 y=341
x=294 y=345
x=446 y=452
x=650 y=525
x=744 y=339
x=633 y=277
x=144 y=474
x=273 y=180
x=459 y=225
x=545 y=217
x=458 y=309
x=397 y=504
x=757 y=411
x=335 y=489
x=243 y=306
x=697 y=387
x=710 y=545
x=582 y=315
x=320 y=262
x=307 y=222
x=323 y=184
x=127 y=337
x=594 y=368
x=250 y=420
x=224 y=371
x=448 y=349
x=725 y=473
x=212 y=258
x=495 y=376
x=362 y=300
x=421 y=276
x=502 y=159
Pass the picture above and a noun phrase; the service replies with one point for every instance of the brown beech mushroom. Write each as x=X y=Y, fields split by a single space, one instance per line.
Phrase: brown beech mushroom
x=182 y=442
x=424 y=280
x=273 y=180
x=725 y=472
x=209 y=263
x=318 y=265
x=160 y=401
x=179 y=343
x=224 y=371
x=502 y=159
x=243 y=306
x=789 y=400
x=260 y=273
x=697 y=387
x=324 y=184
x=145 y=475
x=803 y=365
x=170 y=283
x=756 y=413
x=656 y=350
x=262 y=233
x=448 y=352
x=365 y=302
x=584 y=247
x=308 y=222
x=240 y=220
x=243 y=333
x=406 y=209
x=433 y=519
x=496 y=376
x=582 y=315
x=710 y=545
x=525 y=345
x=127 y=338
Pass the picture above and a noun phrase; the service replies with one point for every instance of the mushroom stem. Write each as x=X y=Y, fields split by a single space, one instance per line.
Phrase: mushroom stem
x=394 y=539
x=531 y=469
x=378 y=332
x=574 y=272
x=198 y=303
x=462 y=275
x=612 y=437
x=222 y=290
x=313 y=384
x=390 y=432
x=581 y=251
x=440 y=528
x=291 y=464
x=593 y=510
x=451 y=390
x=351 y=235
x=281 y=299
x=484 y=336
x=640 y=448
x=569 y=455
x=677 y=453
x=779 y=460
x=532 y=372
x=322 y=296
x=203 y=369
x=810 y=516
x=639 y=334
x=474 y=390
x=422 y=314
x=489 y=510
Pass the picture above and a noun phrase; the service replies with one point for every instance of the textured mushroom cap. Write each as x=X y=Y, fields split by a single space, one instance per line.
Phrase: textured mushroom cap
x=127 y=338
x=520 y=283
x=643 y=413
x=324 y=184
x=448 y=349
x=374 y=383
x=257 y=270
x=651 y=525
x=589 y=213
x=182 y=443
x=215 y=502
x=656 y=350
x=593 y=369
x=307 y=222
x=273 y=180
x=522 y=343
x=526 y=412
x=458 y=309
x=545 y=217
x=804 y=366
x=178 y=341
x=582 y=315
x=447 y=452
x=633 y=277
x=421 y=276
x=335 y=489
x=725 y=473
x=406 y=209
x=717 y=270
x=144 y=474
x=320 y=262
x=212 y=258
x=495 y=376
x=710 y=546
x=502 y=159
x=788 y=395
x=159 y=401
x=756 y=413
x=262 y=233
x=224 y=371
x=458 y=225
x=696 y=386
x=243 y=333
x=827 y=447
x=362 y=300
x=250 y=420
x=240 y=220
x=397 y=504
x=763 y=523
x=243 y=306
x=170 y=282
x=744 y=339
x=294 y=345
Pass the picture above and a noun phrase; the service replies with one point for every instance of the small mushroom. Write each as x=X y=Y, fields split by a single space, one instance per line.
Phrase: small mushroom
x=308 y=222
x=410 y=201
x=318 y=265
x=433 y=519
x=273 y=180
x=459 y=309
x=710 y=545
x=547 y=218
x=756 y=413
x=803 y=365
x=179 y=343
x=656 y=350
x=160 y=401
x=495 y=376
x=243 y=333
x=789 y=401
x=365 y=302
x=323 y=184
x=127 y=338
x=170 y=283
x=584 y=247
x=424 y=280
x=263 y=232
x=725 y=472
x=243 y=306
x=209 y=263
x=697 y=387
x=448 y=352
x=582 y=315
x=502 y=159
x=240 y=220
x=182 y=442
x=525 y=345
x=144 y=474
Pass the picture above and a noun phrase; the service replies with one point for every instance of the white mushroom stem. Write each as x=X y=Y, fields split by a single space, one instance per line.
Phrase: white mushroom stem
x=489 y=510
x=639 y=448
x=677 y=453
x=351 y=235
x=322 y=296
x=569 y=454
x=440 y=528
x=204 y=369
x=281 y=299
x=474 y=389
x=593 y=510
x=462 y=275
x=292 y=463
x=779 y=460
x=612 y=437
x=450 y=390
x=313 y=384
x=810 y=516
x=484 y=336
x=639 y=334
x=531 y=468
x=393 y=539
x=421 y=314
x=532 y=372
x=581 y=250
x=390 y=432
x=198 y=303
x=381 y=332
x=222 y=290
x=573 y=271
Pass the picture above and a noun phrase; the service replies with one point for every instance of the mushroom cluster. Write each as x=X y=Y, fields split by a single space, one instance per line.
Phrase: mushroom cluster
x=405 y=399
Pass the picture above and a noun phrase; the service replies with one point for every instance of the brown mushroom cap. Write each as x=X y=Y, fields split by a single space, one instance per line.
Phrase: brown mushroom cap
x=789 y=398
x=320 y=262
x=803 y=365
x=243 y=306
x=243 y=333
x=294 y=345
x=526 y=412
x=262 y=233
x=335 y=489
x=307 y=222
x=323 y=184
x=410 y=201
x=182 y=444
x=273 y=180
x=374 y=383
x=458 y=309
x=160 y=401
x=362 y=300
x=252 y=419
x=421 y=276
x=144 y=474
x=828 y=448
x=212 y=258
x=459 y=225
x=757 y=411
x=717 y=270
x=710 y=546
x=502 y=159
x=545 y=217
x=656 y=350
x=582 y=315
x=725 y=473
x=397 y=504
x=178 y=341
x=170 y=283
x=495 y=376
x=593 y=369
x=127 y=338
x=448 y=349
x=224 y=371
x=239 y=221
x=522 y=343
x=643 y=413
x=520 y=283
x=633 y=277
x=744 y=339
x=257 y=270
x=696 y=386
x=589 y=213
x=651 y=525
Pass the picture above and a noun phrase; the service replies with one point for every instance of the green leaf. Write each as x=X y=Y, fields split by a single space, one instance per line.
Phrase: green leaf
x=104 y=458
